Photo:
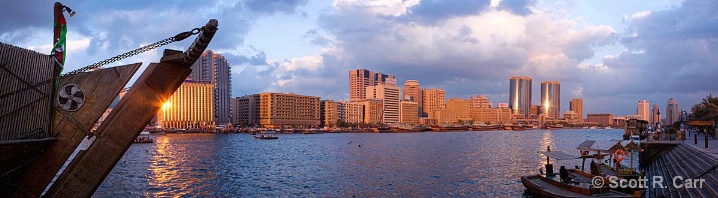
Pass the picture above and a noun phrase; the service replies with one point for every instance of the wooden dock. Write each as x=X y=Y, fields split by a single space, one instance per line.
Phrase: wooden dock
x=686 y=159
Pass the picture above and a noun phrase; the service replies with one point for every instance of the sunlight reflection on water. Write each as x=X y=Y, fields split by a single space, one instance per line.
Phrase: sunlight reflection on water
x=386 y=164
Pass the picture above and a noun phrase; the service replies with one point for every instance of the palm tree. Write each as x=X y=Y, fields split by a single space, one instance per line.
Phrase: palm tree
x=706 y=110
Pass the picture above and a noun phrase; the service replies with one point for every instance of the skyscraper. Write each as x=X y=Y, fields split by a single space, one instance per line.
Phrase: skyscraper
x=577 y=106
x=520 y=95
x=655 y=117
x=673 y=112
x=412 y=90
x=551 y=99
x=214 y=68
x=643 y=109
x=361 y=78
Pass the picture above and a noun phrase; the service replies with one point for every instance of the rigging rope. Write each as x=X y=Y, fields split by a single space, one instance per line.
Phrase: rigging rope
x=178 y=37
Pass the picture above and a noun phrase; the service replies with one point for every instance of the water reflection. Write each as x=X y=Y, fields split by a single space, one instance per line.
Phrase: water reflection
x=386 y=165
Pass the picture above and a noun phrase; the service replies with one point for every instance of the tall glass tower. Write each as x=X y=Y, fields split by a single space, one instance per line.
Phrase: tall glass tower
x=551 y=99
x=520 y=95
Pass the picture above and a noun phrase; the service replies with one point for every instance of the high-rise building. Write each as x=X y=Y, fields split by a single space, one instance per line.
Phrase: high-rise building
x=245 y=110
x=434 y=99
x=361 y=78
x=520 y=95
x=655 y=116
x=577 y=106
x=389 y=94
x=673 y=112
x=189 y=107
x=279 y=109
x=412 y=92
x=214 y=68
x=408 y=112
x=643 y=109
x=480 y=102
x=551 y=99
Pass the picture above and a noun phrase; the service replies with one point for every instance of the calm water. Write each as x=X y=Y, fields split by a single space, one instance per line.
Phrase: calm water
x=387 y=164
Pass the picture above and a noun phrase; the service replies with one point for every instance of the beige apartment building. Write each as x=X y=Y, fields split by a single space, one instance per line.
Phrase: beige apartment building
x=479 y=102
x=361 y=78
x=412 y=92
x=434 y=99
x=409 y=113
x=191 y=106
x=491 y=115
x=349 y=112
x=279 y=109
x=603 y=119
x=571 y=118
x=373 y=110
x=245 y=110
x=389 y=94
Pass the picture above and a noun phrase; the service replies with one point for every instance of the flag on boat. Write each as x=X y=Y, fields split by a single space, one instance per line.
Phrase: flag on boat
x=59 y=37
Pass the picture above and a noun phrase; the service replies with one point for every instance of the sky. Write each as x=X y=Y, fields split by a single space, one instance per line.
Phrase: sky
x=611 y=53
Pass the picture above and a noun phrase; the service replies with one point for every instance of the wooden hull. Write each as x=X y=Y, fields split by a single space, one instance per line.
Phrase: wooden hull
x=265 y=138
x=543 y=187
x=16 y=157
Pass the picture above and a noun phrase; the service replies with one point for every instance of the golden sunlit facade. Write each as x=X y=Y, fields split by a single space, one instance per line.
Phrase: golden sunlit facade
x=433 y=99
x=361 y=78
x=331 y=112
x=373 y=110
x=278 y=109
x=354 y=112
x=191 y=106
x=576 y=105
x=409 y=113
x=412 y=92
x=551 y=99
x=389 y=94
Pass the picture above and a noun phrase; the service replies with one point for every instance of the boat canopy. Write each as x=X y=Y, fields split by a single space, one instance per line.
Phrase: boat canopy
x=559 y=155
x=586 y=146
x=617 y=146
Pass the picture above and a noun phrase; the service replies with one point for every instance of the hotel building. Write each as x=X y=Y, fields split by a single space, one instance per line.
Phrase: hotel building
x=191 y=106
x=215 y=69
x=551 y=99
x=362 y=78
x=520 y=95
x=280 y=109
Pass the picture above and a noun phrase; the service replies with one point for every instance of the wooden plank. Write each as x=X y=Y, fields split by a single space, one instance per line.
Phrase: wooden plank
x=136 y=109
x=100 y=87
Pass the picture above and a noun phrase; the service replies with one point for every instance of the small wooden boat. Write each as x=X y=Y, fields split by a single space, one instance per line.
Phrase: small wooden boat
x=143 y=140
x=266 y=137
x=485 y=127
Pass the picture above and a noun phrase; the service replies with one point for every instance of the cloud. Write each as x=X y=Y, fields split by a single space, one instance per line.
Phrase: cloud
x=518 y=7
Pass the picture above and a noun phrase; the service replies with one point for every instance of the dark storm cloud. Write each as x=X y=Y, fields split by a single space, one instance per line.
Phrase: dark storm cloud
x=673 y=51
x=21 y=14
x=437 y=10
x=518 y=7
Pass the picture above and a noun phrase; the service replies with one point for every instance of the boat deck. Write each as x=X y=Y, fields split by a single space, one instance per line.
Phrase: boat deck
x=551 y=189
x=689 y=162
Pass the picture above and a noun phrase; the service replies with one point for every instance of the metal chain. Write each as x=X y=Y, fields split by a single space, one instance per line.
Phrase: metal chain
x=178 y=37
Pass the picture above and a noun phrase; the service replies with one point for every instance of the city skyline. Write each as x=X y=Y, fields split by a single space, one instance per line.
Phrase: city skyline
x=610 y=54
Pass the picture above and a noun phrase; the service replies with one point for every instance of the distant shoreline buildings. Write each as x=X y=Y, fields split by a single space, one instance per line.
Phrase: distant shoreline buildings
x=375 y=100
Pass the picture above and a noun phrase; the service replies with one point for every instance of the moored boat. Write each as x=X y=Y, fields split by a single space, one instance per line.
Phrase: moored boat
x=266 y=137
